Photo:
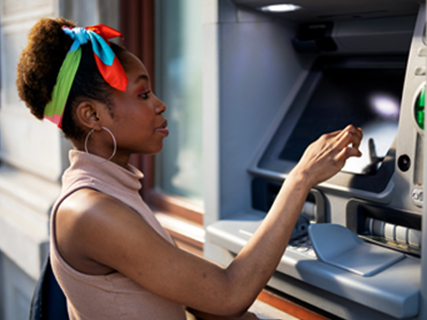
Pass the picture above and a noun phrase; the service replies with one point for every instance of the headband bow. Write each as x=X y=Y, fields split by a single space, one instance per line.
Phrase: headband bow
x=108 y=65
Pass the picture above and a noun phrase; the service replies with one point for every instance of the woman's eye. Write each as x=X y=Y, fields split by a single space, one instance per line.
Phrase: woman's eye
x=144 y=95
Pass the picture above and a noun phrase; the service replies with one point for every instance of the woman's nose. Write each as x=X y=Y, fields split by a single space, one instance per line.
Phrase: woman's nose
x=160 y=107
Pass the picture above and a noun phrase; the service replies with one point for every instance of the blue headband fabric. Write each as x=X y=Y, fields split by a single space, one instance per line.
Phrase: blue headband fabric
x=100 y=47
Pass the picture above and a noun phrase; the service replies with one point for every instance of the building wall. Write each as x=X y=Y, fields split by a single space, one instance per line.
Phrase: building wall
x=33 y=153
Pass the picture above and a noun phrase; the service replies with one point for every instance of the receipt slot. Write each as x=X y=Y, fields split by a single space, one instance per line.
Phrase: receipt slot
x=287 y=78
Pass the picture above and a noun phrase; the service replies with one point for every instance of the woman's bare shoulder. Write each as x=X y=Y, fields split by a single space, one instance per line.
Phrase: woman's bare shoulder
x=86 y=202
x=83 y=217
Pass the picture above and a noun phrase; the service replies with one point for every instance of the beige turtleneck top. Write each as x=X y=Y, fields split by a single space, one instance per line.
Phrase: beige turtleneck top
x=111 y=296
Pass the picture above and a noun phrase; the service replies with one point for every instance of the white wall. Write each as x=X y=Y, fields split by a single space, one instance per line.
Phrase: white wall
x=32 y=162
x=33 y=153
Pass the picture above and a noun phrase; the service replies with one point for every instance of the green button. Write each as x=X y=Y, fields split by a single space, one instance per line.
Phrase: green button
x=419 y=108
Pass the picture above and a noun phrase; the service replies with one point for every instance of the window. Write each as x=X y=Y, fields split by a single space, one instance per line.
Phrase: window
x=178 y=74
x=175 y=70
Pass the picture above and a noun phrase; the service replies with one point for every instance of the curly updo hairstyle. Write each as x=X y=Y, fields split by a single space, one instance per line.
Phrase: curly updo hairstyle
x=39 y=66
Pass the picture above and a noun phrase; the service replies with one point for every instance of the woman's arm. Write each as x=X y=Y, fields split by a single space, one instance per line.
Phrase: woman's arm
x=100 y=229
x=321 y=160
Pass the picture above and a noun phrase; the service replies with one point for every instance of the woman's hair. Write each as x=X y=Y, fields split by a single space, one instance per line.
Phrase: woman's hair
x=39 y=66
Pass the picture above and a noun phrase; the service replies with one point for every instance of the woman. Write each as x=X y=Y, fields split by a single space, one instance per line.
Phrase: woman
x=109 y=254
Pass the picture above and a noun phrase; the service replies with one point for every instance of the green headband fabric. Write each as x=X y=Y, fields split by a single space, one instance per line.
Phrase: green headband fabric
x=55 y=108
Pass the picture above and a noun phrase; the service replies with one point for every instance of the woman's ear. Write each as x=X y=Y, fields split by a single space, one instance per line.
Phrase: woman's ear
x=87 y=113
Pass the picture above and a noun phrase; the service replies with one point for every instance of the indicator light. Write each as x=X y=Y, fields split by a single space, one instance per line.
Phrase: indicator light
x=419 y=108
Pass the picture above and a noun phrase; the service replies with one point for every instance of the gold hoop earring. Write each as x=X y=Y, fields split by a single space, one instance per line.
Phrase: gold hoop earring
x=114 y=140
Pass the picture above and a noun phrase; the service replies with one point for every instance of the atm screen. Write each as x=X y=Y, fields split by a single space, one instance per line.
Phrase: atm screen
x=367 y=98
x=338 y=91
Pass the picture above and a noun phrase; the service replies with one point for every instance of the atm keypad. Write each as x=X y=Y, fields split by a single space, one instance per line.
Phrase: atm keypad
x=302 y=245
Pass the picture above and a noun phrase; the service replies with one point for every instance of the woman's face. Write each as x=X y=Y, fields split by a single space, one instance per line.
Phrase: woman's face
x=137 y=121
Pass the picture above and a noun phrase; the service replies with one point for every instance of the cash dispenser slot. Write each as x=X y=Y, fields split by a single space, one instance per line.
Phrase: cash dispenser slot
x=399 y=230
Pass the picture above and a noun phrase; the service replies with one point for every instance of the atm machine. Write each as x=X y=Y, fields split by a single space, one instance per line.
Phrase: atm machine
x=355 y=252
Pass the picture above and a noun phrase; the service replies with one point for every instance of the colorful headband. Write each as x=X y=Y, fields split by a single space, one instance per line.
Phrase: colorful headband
x=108 y=65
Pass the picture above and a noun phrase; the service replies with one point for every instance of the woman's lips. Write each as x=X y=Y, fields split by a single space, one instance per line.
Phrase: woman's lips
x=163 y=129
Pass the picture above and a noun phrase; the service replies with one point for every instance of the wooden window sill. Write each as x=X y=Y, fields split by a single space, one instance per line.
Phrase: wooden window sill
x=175 y=205
x=187 y=234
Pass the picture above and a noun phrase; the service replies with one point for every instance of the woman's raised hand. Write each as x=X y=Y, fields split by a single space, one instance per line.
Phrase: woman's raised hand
x=327 y=156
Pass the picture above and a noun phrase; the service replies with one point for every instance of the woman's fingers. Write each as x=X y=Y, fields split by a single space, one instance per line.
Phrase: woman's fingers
x=350 y=135
x=348 y=142
x=326 y=156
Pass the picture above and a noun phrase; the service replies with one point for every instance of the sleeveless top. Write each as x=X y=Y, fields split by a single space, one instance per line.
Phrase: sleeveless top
x=111 y=296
